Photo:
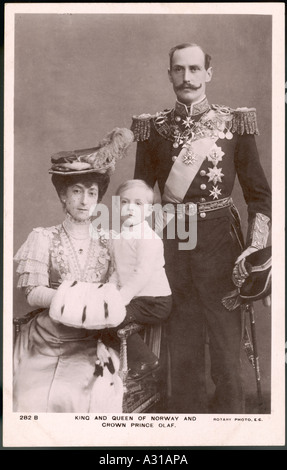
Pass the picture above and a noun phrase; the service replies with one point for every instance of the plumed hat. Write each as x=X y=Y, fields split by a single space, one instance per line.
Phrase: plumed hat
x=257 y=284
x=100 y=159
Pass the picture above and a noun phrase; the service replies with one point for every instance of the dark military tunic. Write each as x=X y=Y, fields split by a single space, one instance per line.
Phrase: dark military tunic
x=213 y=145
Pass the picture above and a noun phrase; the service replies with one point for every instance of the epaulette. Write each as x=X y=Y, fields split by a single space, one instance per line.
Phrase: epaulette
x=244 y=121
x=141 y=126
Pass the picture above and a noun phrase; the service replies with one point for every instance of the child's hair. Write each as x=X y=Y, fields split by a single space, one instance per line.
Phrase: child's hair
x=136 y=184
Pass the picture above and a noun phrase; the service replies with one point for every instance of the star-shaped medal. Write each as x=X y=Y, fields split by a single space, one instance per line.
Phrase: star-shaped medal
x=215 y=192
x=215 y=174
x=215 y=155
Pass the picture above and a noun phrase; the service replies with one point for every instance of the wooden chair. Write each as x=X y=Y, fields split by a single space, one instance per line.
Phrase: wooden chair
x=140 y=396
x=149 y=393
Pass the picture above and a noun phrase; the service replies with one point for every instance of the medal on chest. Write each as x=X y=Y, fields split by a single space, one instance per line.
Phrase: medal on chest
x=198 y=143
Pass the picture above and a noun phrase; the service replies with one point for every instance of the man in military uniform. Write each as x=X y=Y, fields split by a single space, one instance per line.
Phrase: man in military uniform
x=194 y=152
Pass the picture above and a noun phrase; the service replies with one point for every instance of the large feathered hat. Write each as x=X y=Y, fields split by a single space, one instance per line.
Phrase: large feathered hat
x=100 y=159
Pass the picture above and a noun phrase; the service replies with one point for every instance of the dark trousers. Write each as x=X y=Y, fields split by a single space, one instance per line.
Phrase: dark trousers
x=199 y=278
x=144 y=310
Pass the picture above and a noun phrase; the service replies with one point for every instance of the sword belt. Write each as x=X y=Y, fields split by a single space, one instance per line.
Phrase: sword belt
x=200 y=208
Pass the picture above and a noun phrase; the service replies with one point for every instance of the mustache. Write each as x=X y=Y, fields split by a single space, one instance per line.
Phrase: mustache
x=185 y=86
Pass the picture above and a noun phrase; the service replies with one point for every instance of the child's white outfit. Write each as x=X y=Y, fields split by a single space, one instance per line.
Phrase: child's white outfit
x=140 y=274
x=139 y=258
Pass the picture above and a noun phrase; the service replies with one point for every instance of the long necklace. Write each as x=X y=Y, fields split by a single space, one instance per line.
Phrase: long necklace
x=80 y=272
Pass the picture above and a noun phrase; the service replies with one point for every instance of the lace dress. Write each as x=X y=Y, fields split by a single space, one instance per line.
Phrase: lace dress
x=54 y=364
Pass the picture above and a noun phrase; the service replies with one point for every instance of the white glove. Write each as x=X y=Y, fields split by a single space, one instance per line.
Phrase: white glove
x=240 y=273
x=245 y=253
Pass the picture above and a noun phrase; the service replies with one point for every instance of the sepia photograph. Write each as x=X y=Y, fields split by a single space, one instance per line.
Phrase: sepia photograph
x=144 y=191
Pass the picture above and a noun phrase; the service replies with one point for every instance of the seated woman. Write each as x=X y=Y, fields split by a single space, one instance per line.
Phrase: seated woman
x=60 y=361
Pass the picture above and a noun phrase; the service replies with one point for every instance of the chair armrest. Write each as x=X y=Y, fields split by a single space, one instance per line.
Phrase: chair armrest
x=129 y=330
x=18 y=321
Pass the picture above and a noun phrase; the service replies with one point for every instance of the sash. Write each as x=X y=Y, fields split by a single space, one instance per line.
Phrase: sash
x=185 y=168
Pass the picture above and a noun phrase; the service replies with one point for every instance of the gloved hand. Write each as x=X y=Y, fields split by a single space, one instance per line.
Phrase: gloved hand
x=246 y=253
x=240 y=273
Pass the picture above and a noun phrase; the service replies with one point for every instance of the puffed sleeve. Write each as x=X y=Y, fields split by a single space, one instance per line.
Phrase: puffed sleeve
x=33 y=260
